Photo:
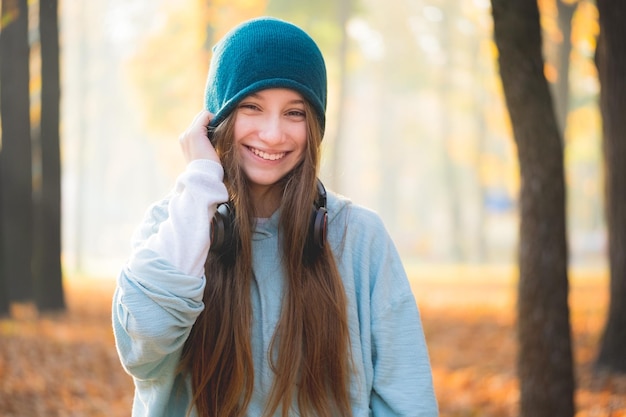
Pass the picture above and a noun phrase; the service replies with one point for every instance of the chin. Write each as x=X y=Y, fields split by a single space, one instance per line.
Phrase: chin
x=266 y=180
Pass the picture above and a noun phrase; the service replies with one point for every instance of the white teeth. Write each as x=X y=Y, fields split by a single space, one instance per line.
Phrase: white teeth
x=268 y=156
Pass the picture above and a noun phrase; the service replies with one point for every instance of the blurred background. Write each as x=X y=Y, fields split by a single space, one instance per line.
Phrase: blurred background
x=417 y=126
x=417 y=129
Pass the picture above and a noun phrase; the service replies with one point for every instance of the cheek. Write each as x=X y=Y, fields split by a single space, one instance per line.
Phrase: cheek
x=243 y=124
x=299 y=136
x=239 y=130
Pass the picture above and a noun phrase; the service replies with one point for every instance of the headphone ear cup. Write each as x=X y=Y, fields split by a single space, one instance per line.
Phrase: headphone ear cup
x=318 y=227
x=222 y=228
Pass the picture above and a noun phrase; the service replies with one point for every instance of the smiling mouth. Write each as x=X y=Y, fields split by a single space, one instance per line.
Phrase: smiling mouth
x=267 y=156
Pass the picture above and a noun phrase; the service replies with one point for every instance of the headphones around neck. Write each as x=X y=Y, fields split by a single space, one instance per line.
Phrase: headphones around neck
x=223 y=225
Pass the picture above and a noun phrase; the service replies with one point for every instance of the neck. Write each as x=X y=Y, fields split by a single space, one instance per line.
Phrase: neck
x=266 y=199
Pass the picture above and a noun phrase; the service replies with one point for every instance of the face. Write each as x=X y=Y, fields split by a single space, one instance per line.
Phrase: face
x=270 y=132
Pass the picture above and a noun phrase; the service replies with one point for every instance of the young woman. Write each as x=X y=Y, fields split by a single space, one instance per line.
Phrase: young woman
x=251 y=291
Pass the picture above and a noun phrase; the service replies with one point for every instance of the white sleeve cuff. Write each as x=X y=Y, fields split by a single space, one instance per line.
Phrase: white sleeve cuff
x=184 y=238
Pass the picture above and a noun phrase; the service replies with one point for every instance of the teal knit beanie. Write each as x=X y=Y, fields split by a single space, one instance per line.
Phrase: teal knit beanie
x=265 y=53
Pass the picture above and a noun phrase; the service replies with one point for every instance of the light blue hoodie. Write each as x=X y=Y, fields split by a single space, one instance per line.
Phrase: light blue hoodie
x=155 y=305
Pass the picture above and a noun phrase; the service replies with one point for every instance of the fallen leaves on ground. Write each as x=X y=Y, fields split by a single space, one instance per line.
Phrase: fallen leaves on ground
x=65 y=365
x=469 y=321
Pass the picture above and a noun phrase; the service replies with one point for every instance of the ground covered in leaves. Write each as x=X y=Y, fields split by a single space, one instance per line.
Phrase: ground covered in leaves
x=65 y=364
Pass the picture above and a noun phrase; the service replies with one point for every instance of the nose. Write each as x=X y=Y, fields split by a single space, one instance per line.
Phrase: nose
x=271 y=130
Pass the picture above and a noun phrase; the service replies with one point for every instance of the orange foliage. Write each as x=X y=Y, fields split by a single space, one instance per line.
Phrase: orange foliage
x=168 y=71
x=225 y=14
x=585 y=26
x=66 y=364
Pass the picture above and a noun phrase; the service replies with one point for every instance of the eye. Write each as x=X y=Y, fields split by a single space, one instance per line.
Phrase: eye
x=249 y=106
x=299 y=114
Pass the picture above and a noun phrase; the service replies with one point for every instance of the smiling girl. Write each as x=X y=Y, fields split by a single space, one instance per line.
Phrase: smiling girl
x=250 y=290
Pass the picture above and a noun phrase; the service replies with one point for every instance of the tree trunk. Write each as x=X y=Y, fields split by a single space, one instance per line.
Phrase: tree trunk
x=48 y=282
x=15 y=160
x=561 y=88
x=611 y=63
x=344 y=9
x=545 y=364
x=4 y=298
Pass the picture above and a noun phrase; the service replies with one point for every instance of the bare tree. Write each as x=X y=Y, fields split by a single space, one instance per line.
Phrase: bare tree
x=48 y=277
x=611 y=63
x=4 y=297
x=15 y=158
x=545 y=366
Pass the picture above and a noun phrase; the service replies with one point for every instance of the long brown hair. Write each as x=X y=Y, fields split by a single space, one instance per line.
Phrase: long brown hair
x=310 y=349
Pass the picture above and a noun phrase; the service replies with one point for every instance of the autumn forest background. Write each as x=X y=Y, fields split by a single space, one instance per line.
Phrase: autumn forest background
x=425 y=125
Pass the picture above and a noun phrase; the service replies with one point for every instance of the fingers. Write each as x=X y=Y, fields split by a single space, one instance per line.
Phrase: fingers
x=194 y=141
x=202 y=118
x=198 y=126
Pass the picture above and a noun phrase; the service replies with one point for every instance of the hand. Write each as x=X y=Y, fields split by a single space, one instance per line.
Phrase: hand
x=195 y=142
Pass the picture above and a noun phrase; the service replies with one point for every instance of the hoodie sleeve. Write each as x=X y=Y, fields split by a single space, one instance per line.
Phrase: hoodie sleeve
x=159 y=290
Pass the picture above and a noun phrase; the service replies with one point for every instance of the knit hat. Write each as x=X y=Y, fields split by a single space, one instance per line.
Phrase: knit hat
x=264 y=53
